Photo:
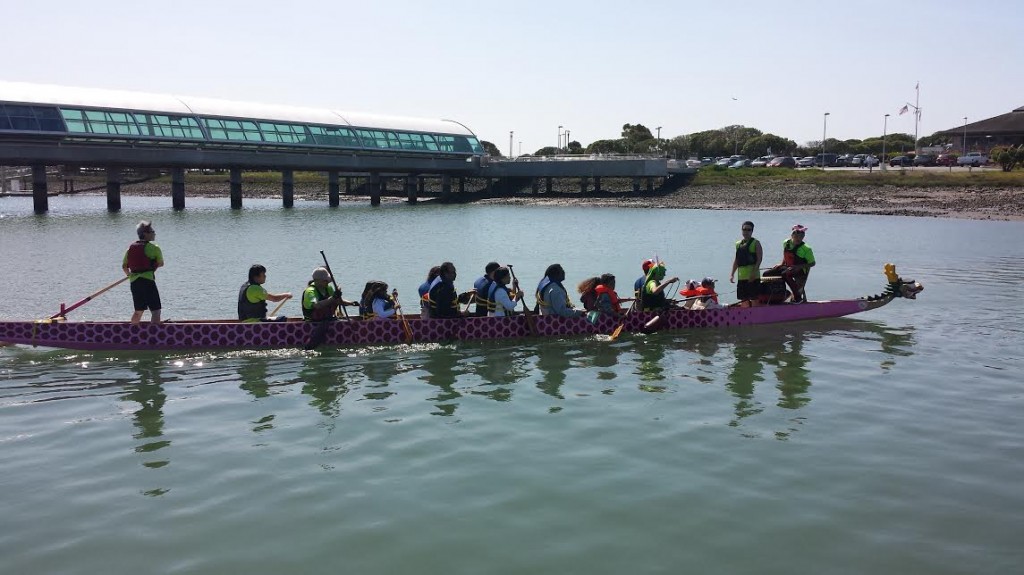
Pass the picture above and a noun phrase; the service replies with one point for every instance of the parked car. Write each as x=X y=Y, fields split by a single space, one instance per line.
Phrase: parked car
x=707 y=161
x=693 y=163
x=972 y=159
x=901 y=161
x=740 y=164
x=724 y=162
x=806 y=162
x=946 y=160
x=761 y=162
x=847 y=160
x=830 y=160
x=782 y=162
x=924 y=160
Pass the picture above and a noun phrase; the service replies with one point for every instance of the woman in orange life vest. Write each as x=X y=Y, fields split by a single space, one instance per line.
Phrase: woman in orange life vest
x=598 y=294
x=140 y=263
x=706 y=296
x=690 y=293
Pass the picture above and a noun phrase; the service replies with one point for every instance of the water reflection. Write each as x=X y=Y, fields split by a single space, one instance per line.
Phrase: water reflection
x=780 y=349
x=325 y=388
x=148 y=392
x=439 y=367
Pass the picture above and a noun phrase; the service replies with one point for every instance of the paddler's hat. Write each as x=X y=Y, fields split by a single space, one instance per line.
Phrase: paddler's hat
x=321 y=274
x=799 y=229
x=647 y=265
x=707 y=282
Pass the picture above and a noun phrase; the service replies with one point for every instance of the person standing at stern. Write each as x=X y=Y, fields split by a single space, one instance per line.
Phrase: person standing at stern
x=140 y=263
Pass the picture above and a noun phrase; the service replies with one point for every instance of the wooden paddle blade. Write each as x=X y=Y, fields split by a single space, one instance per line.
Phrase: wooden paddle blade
x=618 y=331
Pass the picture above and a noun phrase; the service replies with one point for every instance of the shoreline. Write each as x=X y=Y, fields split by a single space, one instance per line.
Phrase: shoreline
x=964 y=202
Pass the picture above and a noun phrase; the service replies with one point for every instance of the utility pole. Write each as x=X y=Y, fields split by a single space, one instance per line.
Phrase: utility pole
x=510 y=150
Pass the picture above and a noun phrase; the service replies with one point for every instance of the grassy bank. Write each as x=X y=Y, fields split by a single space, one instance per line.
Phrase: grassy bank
x=989 y=177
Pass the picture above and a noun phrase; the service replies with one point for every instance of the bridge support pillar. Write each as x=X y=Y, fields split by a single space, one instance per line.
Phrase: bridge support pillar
x=332 y=189
x=374 y=185
x=236 y=188
x=40 y=203
x=288 y=188
x=547 y=184
x=178 y=188
x=410 y=188
x=583 y=185
x=535 y=186
x=113 y=189
x=597 y=183
x=446 y=186
x=636 y=185
x=650 y=185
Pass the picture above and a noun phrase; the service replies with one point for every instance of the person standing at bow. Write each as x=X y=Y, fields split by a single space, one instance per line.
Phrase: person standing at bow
x=746 y=265
x=253 y=298
x=797 y=261
x=482 y=286
x=503 y=302
x=552 y=299
x=319 y=300
x=140 y=263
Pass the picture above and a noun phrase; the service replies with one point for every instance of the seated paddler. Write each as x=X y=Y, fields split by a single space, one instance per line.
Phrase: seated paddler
x=376 y=302
x=552 y=299
x=442 y=297
x=253 y=298
x=652 y=296
x=319 y=300
x=482 y=285
x=504 y=302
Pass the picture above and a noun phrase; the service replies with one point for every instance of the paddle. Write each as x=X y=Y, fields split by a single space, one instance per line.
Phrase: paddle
x=337 y=290
x=406 y=330
x=618 y=330
x=64 y=310
x=531 y=322
x=278 y=308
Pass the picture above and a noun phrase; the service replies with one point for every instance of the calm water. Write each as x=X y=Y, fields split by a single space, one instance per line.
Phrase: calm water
x=889 y=443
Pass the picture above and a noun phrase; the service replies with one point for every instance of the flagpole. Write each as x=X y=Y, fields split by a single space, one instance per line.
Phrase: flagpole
x=917 y=116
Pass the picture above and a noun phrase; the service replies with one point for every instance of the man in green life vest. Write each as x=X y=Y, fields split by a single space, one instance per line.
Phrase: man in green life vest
x=747 y=265
x=319 y=300
x=253 y=297
x=140 y=262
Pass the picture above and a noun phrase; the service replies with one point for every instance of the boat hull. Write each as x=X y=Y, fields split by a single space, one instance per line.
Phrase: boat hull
x=198 y=335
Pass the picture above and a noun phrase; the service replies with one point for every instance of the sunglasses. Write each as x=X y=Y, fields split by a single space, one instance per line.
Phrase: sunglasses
x=747 y=229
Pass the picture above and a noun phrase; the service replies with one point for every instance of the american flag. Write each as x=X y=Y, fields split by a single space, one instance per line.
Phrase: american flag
x=904 y=109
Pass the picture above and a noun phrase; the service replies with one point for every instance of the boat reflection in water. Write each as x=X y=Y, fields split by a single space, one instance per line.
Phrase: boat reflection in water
x=148 y=391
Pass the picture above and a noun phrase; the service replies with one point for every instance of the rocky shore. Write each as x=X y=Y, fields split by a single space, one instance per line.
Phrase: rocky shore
x=982 y=203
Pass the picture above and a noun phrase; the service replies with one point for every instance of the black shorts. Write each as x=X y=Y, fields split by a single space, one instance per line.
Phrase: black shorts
x=145 y=295
x=748 y=289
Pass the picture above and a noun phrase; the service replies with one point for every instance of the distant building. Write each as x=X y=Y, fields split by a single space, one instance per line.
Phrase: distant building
x=983 y=135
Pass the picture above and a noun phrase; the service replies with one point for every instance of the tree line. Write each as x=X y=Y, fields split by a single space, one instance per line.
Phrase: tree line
x=750 y=142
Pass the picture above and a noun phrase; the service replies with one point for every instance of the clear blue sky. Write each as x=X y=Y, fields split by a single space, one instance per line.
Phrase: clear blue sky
x=529 y=66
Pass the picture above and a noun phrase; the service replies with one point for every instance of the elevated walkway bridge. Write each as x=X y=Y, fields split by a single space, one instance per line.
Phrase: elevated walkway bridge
x=43 y=127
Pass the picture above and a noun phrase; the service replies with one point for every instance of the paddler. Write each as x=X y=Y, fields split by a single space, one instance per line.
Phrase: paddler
x=482 y=286
x=319 y=300
x=253 y=298
x=552 y=299
x=444 y=300
x=797 y=261
x=376 y=302
x=504 y=302
x=652 y=297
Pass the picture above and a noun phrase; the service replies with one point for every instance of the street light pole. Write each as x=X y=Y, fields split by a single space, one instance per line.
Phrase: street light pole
x=659 y=135
x=559 y=145
x=567 y=139
x=824 y=132
x=885 y=125
x=520 y=148
x=965 y=136
x=510 y=150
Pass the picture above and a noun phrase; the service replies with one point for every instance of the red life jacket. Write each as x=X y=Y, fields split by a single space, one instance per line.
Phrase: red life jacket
x=602 y=289
x=789 y=256
x=689 y=293
x=707 y=292
x=138 y=261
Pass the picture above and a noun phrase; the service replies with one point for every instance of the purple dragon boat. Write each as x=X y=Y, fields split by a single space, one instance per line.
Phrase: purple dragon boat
x=232 y=334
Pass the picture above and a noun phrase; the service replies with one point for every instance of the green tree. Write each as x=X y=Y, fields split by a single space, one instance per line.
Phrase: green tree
x=547 y=151
x=491 y=148
x=574 y=147
x=607 y=147
x=1007 y=158
x=936 y=139
x=760 y=145
x=635 y=133
x=678 y=147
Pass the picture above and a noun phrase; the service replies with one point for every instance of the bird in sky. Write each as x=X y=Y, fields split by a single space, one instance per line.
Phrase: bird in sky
x=736 y=99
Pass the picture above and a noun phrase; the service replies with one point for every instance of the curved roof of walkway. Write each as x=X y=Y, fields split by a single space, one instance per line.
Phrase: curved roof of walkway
x=27 y=93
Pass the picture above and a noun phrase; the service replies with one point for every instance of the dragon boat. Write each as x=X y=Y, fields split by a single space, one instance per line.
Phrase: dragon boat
x=232 y=334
